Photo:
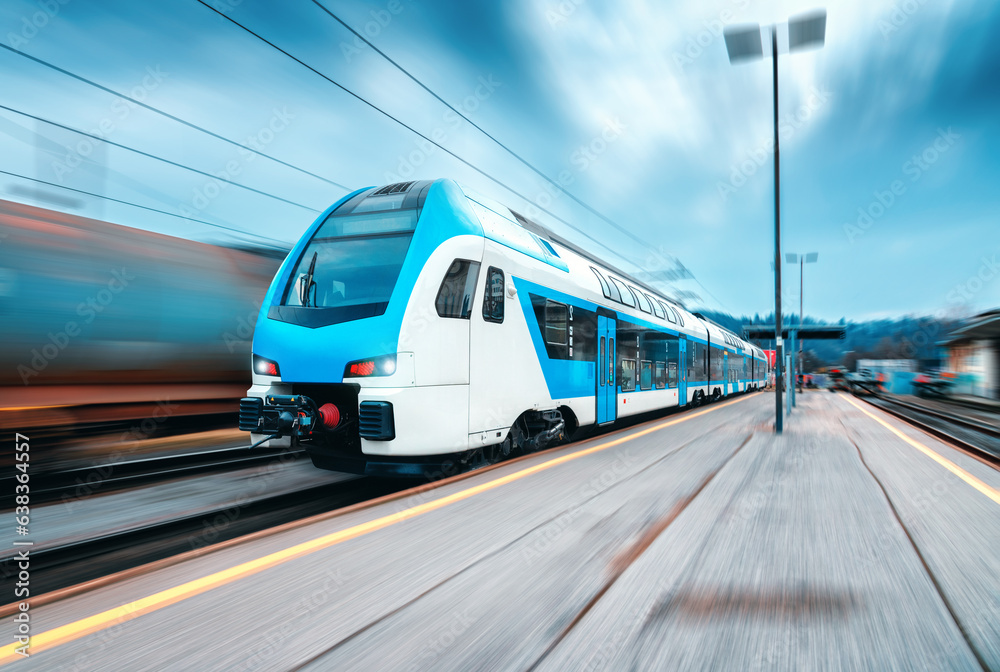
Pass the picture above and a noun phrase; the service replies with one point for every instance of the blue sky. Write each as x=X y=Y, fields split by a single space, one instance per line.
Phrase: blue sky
x=890 y=133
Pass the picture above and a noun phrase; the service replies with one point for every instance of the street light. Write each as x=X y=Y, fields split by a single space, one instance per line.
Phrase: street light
x=744 y=43
x=802 y=259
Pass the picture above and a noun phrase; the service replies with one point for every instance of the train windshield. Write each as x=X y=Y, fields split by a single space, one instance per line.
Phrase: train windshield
x=352 y=260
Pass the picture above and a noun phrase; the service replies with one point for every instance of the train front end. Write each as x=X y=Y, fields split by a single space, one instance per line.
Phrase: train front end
x=346 y=353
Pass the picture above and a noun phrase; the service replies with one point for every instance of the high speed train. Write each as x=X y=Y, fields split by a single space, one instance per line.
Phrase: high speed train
x=422 y=324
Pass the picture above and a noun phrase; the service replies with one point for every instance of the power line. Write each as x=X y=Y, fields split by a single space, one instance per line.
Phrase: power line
x=510 y=151
x=157 y=158
x=639 y=241
x=306 y=172
x=144 y=207
x=413 y=130
x=170 y=116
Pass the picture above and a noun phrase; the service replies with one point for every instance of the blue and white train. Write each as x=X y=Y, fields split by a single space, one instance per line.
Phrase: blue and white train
x=421 y=324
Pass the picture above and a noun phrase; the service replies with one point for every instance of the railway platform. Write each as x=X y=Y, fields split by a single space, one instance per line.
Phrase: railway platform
x=700 y=540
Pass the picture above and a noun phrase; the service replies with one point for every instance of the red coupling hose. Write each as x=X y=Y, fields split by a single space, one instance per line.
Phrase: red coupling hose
x=329 y=415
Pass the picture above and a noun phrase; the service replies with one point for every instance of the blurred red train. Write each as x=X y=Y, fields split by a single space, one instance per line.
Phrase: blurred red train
x=103 y=319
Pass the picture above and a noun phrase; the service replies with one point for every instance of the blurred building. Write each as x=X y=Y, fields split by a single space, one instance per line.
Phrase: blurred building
x=873 y=367
x=974 y=353
x=896 y=374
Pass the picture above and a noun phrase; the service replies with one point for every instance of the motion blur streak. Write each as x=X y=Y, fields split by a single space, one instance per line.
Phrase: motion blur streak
x=162 y=319
x=947 y=464
x=97 y=622
x=101 y=314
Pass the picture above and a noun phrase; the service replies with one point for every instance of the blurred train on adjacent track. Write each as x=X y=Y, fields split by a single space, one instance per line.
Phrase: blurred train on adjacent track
x=104 y=323
x=421 y=325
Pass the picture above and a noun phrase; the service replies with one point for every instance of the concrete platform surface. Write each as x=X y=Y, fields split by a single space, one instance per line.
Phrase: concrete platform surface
x=697 y=541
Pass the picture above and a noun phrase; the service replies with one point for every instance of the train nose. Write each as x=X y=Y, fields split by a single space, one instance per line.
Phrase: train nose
x=329 y=415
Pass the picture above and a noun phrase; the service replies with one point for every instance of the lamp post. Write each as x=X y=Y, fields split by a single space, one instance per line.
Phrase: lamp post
x=745 y=43
x=802 y=259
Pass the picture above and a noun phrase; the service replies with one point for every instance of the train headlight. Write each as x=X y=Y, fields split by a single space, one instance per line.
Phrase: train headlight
x=265 y=367
x=373 y=366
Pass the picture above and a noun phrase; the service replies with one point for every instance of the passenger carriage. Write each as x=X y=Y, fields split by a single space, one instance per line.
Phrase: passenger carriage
x=422 y=324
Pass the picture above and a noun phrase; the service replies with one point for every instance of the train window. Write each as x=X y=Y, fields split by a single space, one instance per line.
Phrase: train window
x=604 y=283
x=600 y=366
x=626 y=295
x=493 y=296
x=657 y=308
x=377 y=203
x=715 y=364
x=669 y=313
x=352 y=263
x=643 y=301
x=660 y=375
x=556 y=323
x=627 y=377
x=646 y=375
x=454 y=298
x=673 y=352
x=616 y=294
x=698 y=365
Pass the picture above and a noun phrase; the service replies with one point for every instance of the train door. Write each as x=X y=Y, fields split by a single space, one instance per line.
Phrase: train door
x=726 y=375
x=682 y=387
x=740 y=372
x=607 y=397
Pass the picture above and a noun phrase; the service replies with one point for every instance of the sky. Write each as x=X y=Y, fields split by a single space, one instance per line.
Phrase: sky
x=889 y=133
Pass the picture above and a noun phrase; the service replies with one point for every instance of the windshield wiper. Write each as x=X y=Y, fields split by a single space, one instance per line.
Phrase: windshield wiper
x=308 y=283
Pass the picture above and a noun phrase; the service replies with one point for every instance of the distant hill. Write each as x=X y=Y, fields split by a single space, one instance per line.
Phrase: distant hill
x=905 y=337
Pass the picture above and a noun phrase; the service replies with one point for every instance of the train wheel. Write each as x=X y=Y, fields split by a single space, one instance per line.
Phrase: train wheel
x=506 y=449
x=492 y=454
x=518 y=437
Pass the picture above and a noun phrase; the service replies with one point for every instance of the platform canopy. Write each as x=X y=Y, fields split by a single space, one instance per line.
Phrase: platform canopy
x=805 y=333
x=983 y=327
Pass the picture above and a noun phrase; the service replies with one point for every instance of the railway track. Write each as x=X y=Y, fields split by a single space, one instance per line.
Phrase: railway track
x=972 y=434
x=79 y=482
x=72 y=563
x=979 y=411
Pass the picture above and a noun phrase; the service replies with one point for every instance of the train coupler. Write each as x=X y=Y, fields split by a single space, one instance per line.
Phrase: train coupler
x=277 y=415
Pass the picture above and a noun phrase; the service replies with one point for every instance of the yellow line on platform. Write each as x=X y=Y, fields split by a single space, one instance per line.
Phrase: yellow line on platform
x=126 y=612
x=33 y=408
x=947 y=464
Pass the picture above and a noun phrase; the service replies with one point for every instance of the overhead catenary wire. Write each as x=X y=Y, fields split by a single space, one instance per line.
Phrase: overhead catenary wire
x=479 y=128
x=504 y=146
x=157 y=158
x=642 y=243
x=314 y=175
x=282 y=243
x=171 y=116
x=413 y=130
